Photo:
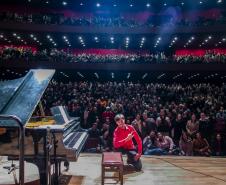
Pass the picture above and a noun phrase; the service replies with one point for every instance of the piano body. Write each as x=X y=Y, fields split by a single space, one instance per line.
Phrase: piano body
x=45 y=145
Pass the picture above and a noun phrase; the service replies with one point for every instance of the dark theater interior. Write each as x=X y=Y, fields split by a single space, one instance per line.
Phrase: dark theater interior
x=96 y=92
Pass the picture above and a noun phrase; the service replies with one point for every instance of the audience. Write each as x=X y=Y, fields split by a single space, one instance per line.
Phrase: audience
x=192 y=126
x=139 y=126
x=150 y=145
x=178 y=127
x=218 y=146
x=186 y=144
x=201 y=146
x=103 y=21
x=165 y=143
x=177 y=112
x=54 y=55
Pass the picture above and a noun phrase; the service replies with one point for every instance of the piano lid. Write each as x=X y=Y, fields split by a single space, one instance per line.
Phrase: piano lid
x=21 y=96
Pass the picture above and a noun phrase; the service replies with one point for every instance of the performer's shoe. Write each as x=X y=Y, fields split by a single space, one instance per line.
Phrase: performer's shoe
x=129 y=161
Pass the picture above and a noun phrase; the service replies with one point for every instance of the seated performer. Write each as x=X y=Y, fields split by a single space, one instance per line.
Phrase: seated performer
x=123 y=142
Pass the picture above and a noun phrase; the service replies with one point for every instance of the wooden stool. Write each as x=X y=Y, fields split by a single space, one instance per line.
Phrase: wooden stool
x=112 y=162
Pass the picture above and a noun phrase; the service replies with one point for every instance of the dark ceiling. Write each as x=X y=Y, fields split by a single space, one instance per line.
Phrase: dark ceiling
x=149 y=77
x=111 y=5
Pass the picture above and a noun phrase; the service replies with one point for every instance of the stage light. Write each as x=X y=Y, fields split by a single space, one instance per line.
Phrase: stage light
x=131 y=5
x=182 y=3
x=210 y=37
x=47 y=2
x=165 y=4
x=144 y=76
x=81 y=4
x=64 y=3
x=115 y=5
x=98 y=4
x=148 y=5
x=95 y=38
x=112 y=38
x=200 y=2
x=219 y=1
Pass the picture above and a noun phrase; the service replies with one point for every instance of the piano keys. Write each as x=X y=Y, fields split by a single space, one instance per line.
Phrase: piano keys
x=68 y=134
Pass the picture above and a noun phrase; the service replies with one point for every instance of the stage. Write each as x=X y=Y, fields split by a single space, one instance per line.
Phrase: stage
x=157 y=170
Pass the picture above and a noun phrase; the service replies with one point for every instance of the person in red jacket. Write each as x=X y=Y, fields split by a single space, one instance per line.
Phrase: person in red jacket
x=123 y=142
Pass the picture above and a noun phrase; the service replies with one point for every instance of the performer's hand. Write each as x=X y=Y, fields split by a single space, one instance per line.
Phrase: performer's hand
x=129 y=137
x=137 y=157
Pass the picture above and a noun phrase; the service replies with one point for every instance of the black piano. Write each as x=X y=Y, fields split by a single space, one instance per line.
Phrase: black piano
x=47 y=145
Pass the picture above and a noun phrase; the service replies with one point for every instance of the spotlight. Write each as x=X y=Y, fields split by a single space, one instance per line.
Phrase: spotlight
x=64 y=3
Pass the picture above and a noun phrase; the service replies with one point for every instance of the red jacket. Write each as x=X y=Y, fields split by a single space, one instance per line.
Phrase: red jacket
x=120 y=134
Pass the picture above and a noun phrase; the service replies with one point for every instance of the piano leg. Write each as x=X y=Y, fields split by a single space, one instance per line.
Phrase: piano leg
x=56 y=163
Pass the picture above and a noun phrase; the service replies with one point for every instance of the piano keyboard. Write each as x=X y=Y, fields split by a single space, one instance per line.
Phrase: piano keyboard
x=72 y=137
x=74 y=140
x=76 y=144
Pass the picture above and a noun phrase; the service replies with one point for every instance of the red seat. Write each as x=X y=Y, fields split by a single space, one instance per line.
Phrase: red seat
x=112 y=158
x=112 y=162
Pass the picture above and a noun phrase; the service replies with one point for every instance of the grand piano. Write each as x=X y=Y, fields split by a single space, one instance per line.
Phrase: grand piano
x=45 y=145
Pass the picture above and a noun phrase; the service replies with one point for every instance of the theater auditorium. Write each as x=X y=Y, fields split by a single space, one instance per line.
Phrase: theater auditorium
x=127 y=92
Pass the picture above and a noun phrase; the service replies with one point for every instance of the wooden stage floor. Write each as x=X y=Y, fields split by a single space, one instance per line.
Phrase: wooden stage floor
x=157 y=170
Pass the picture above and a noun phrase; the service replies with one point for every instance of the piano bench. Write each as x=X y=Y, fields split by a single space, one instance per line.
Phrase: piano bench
x=112 y=162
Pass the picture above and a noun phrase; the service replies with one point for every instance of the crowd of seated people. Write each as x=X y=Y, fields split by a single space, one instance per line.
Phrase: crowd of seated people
x=171 y=119
x=54 y=55
x=101 y=21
